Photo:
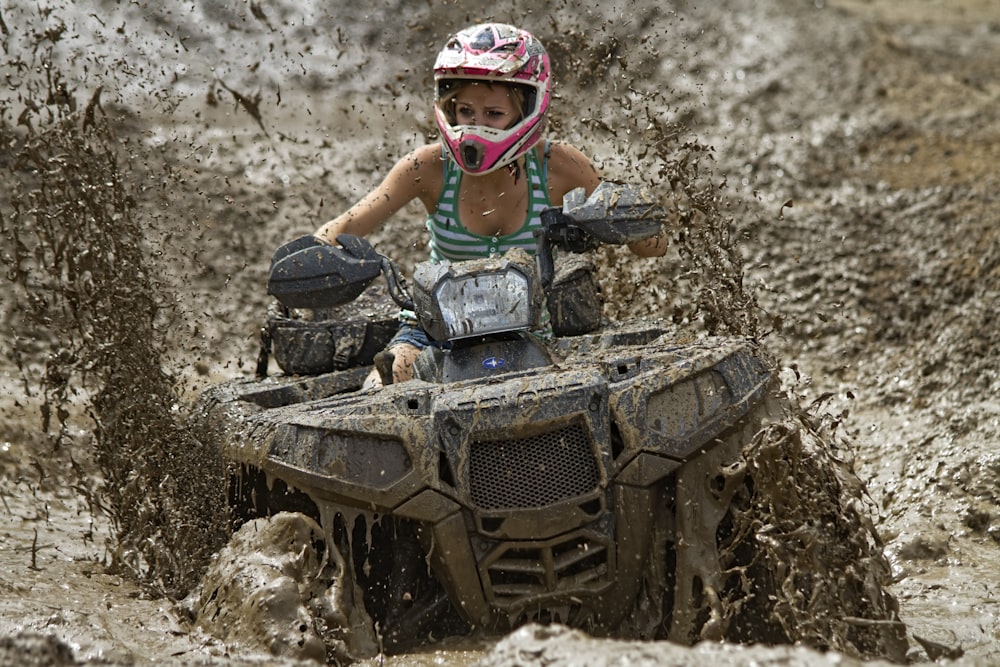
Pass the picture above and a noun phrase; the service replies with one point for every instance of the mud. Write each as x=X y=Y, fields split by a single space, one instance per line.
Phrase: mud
x=834 y=168
x=268 y=584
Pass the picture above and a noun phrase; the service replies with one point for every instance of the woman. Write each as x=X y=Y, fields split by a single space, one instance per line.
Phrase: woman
x=485 y=184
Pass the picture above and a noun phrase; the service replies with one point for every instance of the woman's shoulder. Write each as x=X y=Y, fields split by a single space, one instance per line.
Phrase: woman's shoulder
x=564 y=157
x=420 y=164
x=568 y=168
x=419 y=174
x=559 y=149
x=424 y=157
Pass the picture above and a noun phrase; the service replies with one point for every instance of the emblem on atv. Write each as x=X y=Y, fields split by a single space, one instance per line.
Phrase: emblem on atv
x=494 y=363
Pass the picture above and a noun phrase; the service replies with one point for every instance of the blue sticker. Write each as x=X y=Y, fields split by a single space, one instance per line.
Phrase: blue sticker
x=494 y=363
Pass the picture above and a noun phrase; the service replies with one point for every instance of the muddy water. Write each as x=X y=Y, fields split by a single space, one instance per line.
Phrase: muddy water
x=853 y=145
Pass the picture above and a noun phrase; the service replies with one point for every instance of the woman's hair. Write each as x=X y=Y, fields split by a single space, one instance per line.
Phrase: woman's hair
x=451 y=89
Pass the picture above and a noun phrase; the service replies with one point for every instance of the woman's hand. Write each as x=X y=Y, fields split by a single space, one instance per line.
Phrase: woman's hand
x=655 y=246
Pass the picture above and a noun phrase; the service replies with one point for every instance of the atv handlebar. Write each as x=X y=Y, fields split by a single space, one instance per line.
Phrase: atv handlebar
x=310 y=273
x=613 y=214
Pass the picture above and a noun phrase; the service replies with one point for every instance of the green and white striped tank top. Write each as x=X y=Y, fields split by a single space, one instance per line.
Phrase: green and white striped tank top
x=450 y=240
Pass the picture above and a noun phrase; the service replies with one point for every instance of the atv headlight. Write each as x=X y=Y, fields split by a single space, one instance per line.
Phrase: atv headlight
x=475 y=298
x=484 y=303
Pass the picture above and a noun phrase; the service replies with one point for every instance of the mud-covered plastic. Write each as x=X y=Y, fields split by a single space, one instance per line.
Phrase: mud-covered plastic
x=312 y=347
x=313 y=342
x=574 y=298
x=596 y=480
x=307 y=273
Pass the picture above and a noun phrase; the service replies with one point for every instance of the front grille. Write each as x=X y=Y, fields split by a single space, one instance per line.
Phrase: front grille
x=577 y=565
x=532 y=472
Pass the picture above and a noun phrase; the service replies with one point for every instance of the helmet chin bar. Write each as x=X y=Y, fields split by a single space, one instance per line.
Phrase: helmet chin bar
x=479 y=149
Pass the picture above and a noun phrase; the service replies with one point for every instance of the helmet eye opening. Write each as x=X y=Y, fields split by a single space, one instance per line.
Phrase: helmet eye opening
x=524 y=95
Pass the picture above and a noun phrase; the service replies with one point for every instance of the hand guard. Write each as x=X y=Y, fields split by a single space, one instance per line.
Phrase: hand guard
x=308 y=273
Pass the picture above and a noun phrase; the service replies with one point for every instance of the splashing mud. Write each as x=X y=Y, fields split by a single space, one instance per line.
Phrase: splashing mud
x=155 y=156
x=79 y=266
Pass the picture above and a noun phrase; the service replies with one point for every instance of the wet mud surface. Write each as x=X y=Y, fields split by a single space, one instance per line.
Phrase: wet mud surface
x=853 y=144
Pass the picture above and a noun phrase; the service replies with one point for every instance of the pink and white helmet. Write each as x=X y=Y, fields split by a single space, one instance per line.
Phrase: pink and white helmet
x=494 y=53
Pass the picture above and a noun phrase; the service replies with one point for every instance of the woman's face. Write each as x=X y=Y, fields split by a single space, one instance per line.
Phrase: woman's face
x=482 y=104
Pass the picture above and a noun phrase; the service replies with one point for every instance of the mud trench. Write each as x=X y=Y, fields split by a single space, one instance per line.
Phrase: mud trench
x=832 y=167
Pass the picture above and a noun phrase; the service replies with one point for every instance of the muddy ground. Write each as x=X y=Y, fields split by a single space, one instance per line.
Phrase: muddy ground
x=855 y=144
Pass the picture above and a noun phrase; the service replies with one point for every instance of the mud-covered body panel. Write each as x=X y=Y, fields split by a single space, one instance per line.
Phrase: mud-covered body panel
x=537 y=491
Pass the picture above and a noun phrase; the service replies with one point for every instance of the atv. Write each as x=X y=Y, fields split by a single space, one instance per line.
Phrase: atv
x=578 y=478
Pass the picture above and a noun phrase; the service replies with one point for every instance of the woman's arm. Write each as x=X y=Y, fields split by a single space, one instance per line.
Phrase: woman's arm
x=416 y=175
